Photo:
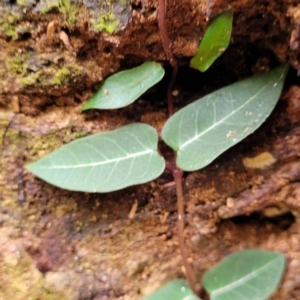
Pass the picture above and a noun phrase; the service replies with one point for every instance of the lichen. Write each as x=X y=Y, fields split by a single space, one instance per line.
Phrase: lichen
x=41 y=145
x=21 y=275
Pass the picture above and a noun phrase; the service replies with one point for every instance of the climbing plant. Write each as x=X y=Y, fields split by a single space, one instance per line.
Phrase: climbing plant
x=197 y=134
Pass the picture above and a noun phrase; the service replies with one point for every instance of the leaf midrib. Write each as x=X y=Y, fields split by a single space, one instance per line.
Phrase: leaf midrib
x=197 y=136
x=244 y=279
x=95 y=164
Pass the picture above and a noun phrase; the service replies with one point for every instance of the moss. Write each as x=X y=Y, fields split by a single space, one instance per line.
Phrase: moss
x=26 y=3
x=66 y=73
x=9 y=30
x=41 y=145
x=61 y=76
x=106 y=22
x=19 y=67
x=108 y=15
x=65 y=7
x=16 y=65
x=8 y=23
x=68 y=9
x=80 y=134
x=23 y=3
x=25 y=281
x=31 y=79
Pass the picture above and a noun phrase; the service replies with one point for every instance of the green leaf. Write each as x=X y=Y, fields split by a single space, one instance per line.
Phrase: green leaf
x=203 y=130
x=105 y=161
x=175 y=290
x=246 y=275
x=215 y=41
x=125 y=87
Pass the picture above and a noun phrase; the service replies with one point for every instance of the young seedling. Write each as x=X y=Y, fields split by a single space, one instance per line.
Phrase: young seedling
x=198 y=133
x=248 y=274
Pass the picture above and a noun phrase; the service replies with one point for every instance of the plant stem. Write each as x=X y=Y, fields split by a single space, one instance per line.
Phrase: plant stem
x=170 y=88
x=177 y=174
x=168 y=50
x=163 y=32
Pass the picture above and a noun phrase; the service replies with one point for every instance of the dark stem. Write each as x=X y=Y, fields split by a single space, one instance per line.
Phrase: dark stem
x=168 y=50
x=170 y=88
x=177 y=174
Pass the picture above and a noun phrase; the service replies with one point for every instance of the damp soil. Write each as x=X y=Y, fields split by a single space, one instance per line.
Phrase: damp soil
x=58 y=244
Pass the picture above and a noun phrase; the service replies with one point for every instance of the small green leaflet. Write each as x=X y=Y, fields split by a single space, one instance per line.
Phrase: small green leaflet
x=105 y=161
x=175 y=290
x=249 y=274
x=125 y=87
x=203 y=130
x=214 y=42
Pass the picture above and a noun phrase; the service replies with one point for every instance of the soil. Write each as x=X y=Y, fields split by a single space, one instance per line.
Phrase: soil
x=58 y=244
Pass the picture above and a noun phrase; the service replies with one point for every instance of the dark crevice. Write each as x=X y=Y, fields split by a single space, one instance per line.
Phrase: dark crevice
x=24 y=36
x=137 y=6
x=282 y=222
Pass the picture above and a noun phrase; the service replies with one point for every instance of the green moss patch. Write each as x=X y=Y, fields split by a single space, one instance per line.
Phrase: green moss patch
x=68 y=8
x=8 y=22
x=109 y=15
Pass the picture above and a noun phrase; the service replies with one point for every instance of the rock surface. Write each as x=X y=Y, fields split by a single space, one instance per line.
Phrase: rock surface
x=56 y=244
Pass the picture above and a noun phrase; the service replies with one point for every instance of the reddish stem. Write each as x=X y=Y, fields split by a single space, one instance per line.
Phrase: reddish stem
x=163 y=32
x=177 y=174
x=168 y=50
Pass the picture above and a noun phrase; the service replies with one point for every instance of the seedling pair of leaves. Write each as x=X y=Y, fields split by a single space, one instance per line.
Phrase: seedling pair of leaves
x=247 y=275
x=198 y=133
